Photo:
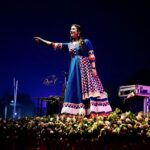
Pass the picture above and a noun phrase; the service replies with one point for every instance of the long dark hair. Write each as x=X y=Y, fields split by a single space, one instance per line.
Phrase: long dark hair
x=80 y=38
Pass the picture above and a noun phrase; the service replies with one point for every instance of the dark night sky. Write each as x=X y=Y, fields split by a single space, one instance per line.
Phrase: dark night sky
x=118 y=30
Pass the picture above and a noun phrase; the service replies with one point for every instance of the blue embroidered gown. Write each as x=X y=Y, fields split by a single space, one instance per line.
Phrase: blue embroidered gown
x=84 y=93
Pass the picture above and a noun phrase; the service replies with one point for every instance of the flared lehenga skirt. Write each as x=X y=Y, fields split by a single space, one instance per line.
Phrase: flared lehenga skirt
x=84 y=93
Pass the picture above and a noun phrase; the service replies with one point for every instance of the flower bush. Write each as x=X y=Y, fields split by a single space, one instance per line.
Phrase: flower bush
x=124 y=127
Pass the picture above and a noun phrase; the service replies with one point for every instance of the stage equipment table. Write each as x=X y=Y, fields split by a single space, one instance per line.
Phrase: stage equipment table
x=129 y=91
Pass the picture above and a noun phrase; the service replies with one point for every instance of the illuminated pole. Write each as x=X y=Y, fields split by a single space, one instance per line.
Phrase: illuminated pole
x=15 y=97
x=5 y=113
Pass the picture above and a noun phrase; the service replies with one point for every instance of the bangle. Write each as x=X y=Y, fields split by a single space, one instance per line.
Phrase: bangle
x=93 y=68
x=50 y=43
x=92 y=61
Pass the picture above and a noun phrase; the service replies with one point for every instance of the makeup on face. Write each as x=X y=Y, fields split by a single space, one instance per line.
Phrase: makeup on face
x=74 y=32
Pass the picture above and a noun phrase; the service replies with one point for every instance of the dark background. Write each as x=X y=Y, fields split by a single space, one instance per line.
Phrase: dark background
x=119 y=31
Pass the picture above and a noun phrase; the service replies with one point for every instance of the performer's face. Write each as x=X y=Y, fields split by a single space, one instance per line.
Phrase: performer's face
x=74 y=32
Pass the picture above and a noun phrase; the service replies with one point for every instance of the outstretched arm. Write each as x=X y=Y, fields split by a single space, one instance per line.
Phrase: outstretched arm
x=41 y=40
x=54 y=45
